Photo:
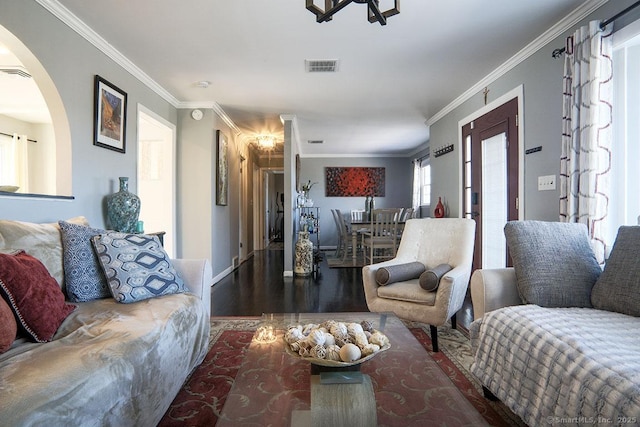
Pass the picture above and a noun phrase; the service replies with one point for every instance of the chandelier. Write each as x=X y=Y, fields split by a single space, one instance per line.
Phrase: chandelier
x=331 y=7
x=266 y=142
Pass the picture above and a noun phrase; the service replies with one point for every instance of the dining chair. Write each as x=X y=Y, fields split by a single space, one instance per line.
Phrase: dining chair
x=357 y=215
x=407 y=213
x=340 y=245
x=380 y=242
x=344 y=234
x=347 y=240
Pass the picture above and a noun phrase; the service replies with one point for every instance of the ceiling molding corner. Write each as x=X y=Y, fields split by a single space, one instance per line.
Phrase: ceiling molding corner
x=538 y=43
x=73 y=22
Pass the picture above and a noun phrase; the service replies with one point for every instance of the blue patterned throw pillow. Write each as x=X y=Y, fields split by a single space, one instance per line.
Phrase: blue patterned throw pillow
x=136 y=266
x=83 y=277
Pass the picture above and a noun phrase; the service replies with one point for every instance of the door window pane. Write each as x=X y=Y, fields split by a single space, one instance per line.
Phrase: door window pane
x=494 y=201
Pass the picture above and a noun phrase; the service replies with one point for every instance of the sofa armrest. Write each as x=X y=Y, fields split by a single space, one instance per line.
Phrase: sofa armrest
x=198 y=277
x=492 y=289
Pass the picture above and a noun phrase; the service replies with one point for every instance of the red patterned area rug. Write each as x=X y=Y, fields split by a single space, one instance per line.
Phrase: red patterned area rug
x=200 y=401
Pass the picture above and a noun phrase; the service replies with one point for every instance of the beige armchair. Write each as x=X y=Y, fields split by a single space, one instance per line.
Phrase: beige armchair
x=431 y=242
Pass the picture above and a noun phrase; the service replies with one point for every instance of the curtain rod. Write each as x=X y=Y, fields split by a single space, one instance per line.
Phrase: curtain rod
x=11 y=136
x=557 y=52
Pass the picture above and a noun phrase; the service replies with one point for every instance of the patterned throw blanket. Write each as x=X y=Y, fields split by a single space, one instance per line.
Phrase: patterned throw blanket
x=574 y=366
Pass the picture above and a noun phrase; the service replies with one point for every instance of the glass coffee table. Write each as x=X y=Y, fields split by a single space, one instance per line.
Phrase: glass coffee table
x=400 y=386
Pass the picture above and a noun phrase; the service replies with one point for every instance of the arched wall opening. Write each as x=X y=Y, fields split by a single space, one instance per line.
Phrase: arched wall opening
x=51 y=162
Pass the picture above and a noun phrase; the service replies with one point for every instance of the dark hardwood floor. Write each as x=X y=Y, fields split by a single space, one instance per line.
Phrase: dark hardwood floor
x=258 y=286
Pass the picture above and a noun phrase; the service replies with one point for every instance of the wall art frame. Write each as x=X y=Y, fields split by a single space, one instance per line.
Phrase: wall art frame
x=222 y=170
x=354 y=181
x=110 y=119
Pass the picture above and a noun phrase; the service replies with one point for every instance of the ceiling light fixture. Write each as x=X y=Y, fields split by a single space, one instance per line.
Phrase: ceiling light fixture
x=266 y=142
x=331 y=7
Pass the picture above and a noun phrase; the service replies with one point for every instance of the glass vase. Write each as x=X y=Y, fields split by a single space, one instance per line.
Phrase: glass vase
x=304 y=255
x=123 y=209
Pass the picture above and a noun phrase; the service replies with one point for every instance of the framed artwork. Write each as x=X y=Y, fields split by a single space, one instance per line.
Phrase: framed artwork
x=354 y=182
x=222 y=171
x=110 y=121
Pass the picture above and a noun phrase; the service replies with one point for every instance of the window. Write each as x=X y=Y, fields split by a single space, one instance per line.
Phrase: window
x=14 y=162
x=624 y=206
x=425 y=183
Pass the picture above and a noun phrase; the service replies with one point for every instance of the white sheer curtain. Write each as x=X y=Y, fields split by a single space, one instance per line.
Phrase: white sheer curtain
x=586 y=132
x=14 y=162
x=415 y=203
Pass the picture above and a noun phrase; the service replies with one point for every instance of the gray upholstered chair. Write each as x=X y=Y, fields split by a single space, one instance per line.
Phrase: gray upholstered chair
x=432 y=242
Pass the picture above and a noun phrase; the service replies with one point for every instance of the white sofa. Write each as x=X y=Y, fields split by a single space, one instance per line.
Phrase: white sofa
x=108 y=364
x=558 y=363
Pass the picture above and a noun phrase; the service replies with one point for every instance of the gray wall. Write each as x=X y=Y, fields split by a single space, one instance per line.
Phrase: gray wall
x=398 y=188
x=72 y=63
x=204 y=229
x=541 y=76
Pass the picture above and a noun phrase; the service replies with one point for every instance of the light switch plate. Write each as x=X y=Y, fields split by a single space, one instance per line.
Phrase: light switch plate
x=547 y=182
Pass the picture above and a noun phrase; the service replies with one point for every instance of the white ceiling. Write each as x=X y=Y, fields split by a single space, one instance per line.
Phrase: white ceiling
x=21 y=98
x=392 y=79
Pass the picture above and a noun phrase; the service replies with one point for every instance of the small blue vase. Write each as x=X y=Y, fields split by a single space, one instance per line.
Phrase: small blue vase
x=123 y=208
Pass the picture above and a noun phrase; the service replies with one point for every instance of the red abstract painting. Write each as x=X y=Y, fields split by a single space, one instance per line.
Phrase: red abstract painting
x=354 y=182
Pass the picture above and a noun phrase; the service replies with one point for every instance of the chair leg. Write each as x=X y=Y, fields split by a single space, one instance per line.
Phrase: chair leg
x=434 y=338
x=454 y=321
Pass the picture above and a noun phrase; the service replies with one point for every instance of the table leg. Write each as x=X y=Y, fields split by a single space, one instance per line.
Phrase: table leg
x=354 y=245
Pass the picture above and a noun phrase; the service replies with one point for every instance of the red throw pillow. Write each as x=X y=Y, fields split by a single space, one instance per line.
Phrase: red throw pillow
x=8 y=326
x=34 y=296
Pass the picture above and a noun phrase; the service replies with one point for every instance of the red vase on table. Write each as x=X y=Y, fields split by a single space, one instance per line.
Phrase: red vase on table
x=438 y=212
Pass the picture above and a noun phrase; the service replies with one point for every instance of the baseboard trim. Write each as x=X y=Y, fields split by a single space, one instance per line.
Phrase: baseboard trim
x=222 y=275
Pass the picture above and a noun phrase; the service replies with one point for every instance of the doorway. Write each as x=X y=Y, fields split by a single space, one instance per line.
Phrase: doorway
x=491 y=180
x=157 y=175
x=269 y=207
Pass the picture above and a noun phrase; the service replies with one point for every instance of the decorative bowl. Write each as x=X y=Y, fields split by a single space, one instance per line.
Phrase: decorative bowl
x=9 y=188
x=306 y=341
x=334 y=363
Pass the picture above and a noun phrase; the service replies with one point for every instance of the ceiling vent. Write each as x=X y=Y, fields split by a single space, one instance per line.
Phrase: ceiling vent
x=15 y=70
x=315 y=141
x=321 y=65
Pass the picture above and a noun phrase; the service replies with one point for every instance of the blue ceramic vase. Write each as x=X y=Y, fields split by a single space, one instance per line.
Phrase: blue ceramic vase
x=123 y=208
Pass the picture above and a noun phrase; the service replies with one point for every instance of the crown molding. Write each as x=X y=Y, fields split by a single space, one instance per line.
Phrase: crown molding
x=541 y=41
x=73 y=22
x=77 y=25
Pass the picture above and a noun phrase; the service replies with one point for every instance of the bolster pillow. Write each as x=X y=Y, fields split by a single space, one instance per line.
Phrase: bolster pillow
x=430 y=279
x=399 y=272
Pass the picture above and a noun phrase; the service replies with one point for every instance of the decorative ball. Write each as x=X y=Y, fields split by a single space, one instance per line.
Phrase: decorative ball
x=293 y=335
x=338 y=329
x=379 y=339
x=316 y=337
x=333 y=353
x=354 y=328
x=361 y=339
x=319 y=352
x=350 y=353
x=370 y=349
x=329 y=339
x=367 y=325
